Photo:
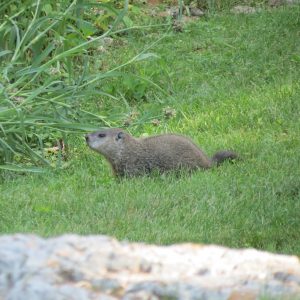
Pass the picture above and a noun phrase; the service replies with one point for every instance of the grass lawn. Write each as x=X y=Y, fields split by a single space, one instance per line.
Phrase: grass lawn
x=234 y=82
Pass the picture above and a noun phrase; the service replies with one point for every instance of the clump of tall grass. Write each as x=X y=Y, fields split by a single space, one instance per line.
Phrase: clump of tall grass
x=45 y=72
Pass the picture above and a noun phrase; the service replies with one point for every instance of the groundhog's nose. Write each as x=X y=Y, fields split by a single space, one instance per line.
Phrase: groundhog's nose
x=87 y=138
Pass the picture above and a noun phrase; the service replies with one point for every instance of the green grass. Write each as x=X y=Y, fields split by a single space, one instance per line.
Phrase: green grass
x=234 y=82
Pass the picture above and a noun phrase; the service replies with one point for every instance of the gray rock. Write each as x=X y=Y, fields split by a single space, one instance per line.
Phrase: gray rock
x=173 y=11
x=243 y=9
x=98 y=267
x=196 y=12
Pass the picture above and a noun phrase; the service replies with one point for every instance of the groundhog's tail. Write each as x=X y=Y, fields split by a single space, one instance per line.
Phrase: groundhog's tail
x=221 y=156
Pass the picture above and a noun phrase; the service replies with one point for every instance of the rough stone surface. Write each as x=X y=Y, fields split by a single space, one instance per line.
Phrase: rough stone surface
x=243 y=9
x=99 y=267
x=196 y=12
x=173 y=11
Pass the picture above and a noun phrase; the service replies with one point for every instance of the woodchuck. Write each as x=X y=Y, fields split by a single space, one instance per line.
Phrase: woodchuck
x=129 y=156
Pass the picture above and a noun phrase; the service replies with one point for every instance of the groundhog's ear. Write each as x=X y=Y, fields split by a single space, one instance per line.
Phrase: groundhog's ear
x=119 y=135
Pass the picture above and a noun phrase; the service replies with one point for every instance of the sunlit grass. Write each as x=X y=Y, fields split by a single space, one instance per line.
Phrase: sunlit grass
x=235 y=85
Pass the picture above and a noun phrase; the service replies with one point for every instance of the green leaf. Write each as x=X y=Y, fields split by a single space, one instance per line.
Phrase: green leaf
x=87 y=28
x=36 y=62
x=17 y=168
x=128 y=22
x=6 y=113
x=145 y=56
x=47 y=8
x=5 y=52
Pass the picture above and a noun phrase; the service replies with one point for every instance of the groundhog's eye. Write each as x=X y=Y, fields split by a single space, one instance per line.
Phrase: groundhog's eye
x=101 y=135
x=119 y=135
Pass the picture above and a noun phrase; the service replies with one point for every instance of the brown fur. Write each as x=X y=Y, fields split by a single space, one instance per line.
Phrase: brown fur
x=129 y=156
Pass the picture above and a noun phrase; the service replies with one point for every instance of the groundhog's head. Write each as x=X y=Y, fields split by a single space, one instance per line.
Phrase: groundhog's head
x=109 y=142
